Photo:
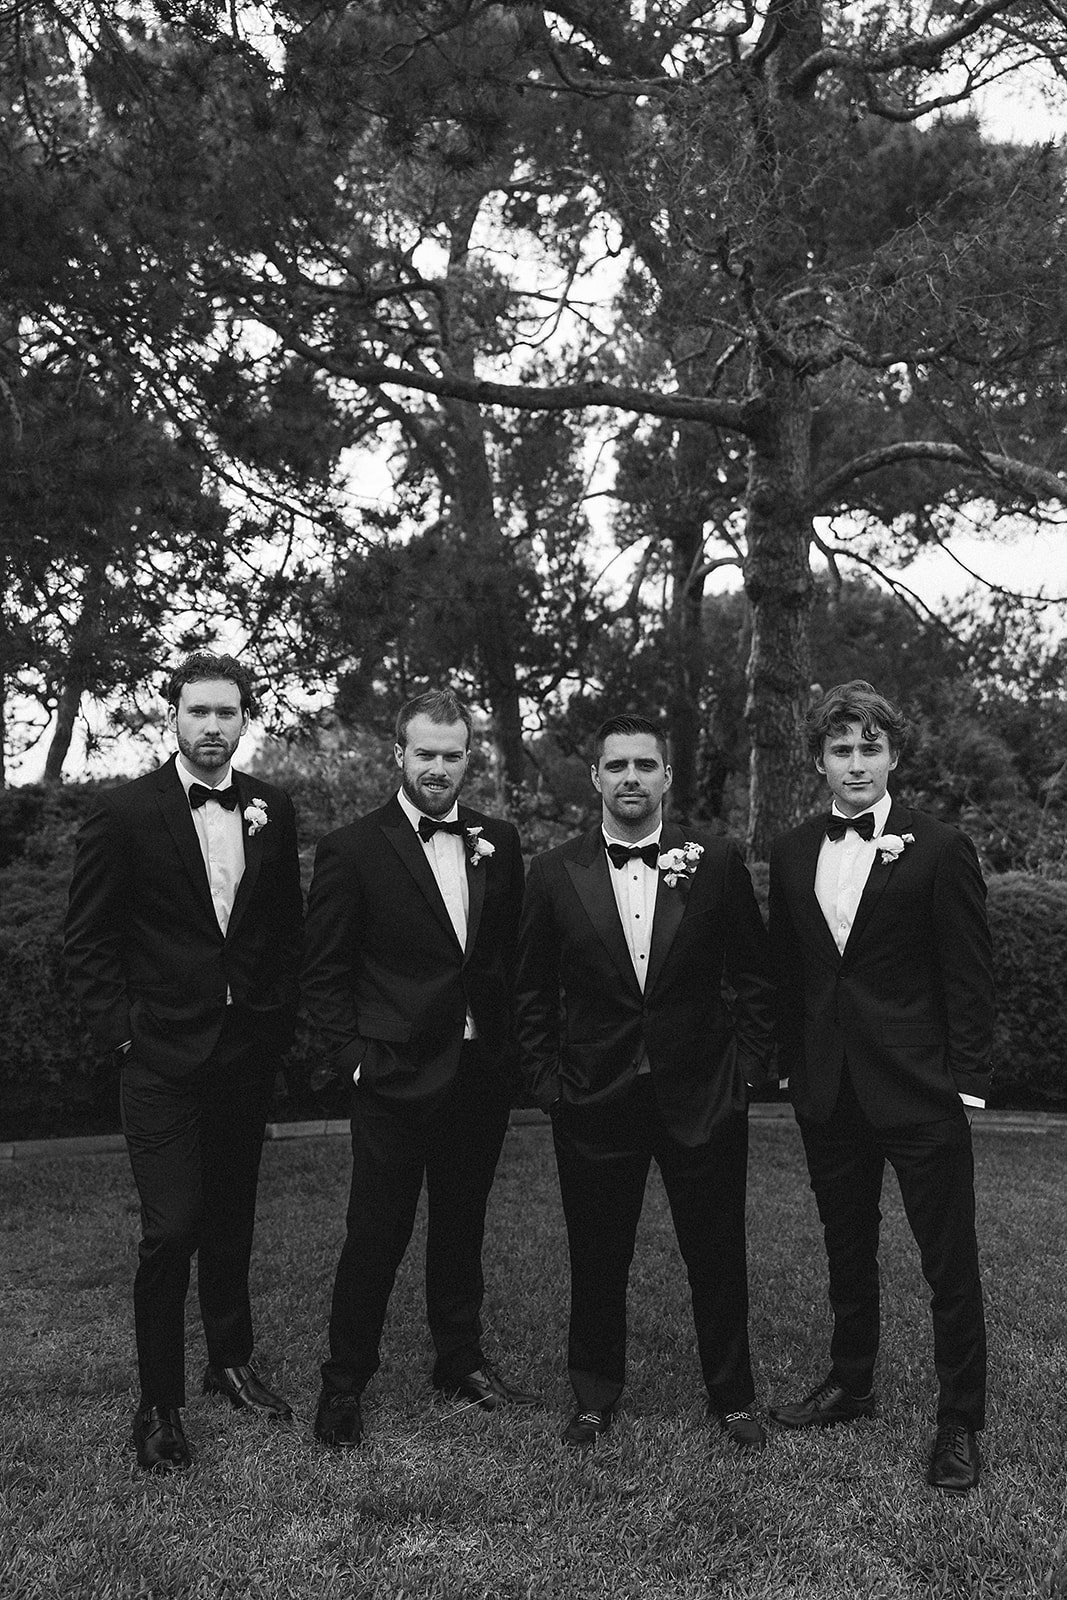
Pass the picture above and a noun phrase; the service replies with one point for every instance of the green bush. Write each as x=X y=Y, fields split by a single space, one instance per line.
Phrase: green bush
x=52 y=1082
x=1028 y=919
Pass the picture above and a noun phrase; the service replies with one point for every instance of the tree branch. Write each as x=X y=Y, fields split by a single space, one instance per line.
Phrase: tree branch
x=921 y=53
x=1034 y=484
x=734 y=415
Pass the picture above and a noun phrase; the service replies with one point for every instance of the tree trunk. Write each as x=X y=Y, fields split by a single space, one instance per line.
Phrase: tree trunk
x=478 y=529
x=471 y=493
x=780 y=588
x=70 y=698
x=78 y=674
x=687 y=668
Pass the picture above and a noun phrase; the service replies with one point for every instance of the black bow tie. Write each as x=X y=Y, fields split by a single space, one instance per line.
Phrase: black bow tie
x=621 y=853
x=837 y=827
x=200 y=794
x=428 y=826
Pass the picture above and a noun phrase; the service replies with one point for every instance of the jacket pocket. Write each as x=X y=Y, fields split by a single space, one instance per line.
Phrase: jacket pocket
x=375 y=1023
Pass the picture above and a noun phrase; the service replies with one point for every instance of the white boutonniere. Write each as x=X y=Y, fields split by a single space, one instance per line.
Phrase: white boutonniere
x=478 y=849
x=679 y=864
x=255 y=814
x=892 y=845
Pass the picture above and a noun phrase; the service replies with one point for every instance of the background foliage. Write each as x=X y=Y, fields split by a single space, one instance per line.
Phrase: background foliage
x=329 y=327
x=51 y=1082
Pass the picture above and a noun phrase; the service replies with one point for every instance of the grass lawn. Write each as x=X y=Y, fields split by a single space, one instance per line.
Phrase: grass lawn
x=452 y=1503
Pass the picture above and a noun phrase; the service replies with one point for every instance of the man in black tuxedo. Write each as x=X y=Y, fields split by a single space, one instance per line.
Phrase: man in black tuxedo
x=882 y=949
x=412 y=916
x=183 y=939
x=628 y=933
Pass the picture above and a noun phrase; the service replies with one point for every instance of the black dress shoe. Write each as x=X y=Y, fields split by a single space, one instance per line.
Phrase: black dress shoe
x=339 y=1421
x=742 y=1428
x=246 y=1391
x=585 y=1428
x=955 y=1464
x=486 y=1388
x=826 y=1404
x=159 y=1439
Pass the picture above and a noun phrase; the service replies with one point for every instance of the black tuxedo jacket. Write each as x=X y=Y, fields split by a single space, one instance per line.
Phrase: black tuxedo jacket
x=144 y=951
x=385 y=979
x=584 y=1024
x=910 y=1002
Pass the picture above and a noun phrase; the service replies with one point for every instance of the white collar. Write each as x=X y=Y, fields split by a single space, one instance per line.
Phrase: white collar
x=415 y=816
x=189 y=778
x=879 y=811
x=633 y=844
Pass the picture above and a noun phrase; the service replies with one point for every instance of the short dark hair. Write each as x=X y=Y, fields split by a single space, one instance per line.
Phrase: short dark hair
x=627 y=724
x=440 y=705
x=860 y=702
x=206 y=664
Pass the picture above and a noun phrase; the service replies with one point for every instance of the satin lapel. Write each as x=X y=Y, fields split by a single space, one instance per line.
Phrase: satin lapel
x=475 y=892
x=878 y=878
x=588 y=872
x=405 y=841
x=174 y=805
x=253 y=843
x=670 y=909
x=807 y=863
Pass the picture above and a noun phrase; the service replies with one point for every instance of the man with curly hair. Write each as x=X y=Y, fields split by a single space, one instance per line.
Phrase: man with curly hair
x=885 y=1027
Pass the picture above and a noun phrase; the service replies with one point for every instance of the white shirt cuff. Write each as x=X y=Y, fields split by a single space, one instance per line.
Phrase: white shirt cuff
x=970 y=1100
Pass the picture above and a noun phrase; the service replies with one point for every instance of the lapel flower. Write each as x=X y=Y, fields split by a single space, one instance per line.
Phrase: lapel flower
x=679 y=864
x=892 y=845
x=255 y=814
x=478 y=849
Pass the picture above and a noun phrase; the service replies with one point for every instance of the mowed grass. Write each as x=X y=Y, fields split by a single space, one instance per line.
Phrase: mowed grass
x=456 y=1503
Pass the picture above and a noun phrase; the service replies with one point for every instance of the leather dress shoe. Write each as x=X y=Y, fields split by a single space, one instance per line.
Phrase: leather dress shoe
x=827 y=1403
x=955 y=1463
x=246 y=1391
x=486 y=1388
x=585 y=1428
x=159 y=1439
x=742 y=1428
x=339 y=1421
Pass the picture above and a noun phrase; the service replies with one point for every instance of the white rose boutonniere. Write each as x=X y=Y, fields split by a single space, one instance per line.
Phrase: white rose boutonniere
x=679 y=864
x=892 y=845
x=478 y=849
x=255 y=814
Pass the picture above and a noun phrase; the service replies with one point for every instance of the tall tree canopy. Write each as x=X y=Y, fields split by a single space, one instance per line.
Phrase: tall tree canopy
x=830 y=296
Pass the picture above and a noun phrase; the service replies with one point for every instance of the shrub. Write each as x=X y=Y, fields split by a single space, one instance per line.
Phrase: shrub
x=51 y=1080
x=39 y=820
x=1028 y=919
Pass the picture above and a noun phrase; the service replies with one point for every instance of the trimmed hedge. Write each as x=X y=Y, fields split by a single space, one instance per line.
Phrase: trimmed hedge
x=51 y=1081
x=1028 y=921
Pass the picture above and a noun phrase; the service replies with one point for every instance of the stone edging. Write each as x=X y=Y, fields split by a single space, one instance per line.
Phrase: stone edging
x=111 y=1143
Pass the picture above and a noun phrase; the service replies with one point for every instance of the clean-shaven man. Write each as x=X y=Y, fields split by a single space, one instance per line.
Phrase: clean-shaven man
x=628 y=935
x=183 y=944
x=885 y=1027
x=412 y=919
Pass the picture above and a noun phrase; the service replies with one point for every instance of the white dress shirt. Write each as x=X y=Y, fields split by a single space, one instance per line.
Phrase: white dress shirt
x=635 y=887
x=222 y=843
x=844 y=867
x=447 y=856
